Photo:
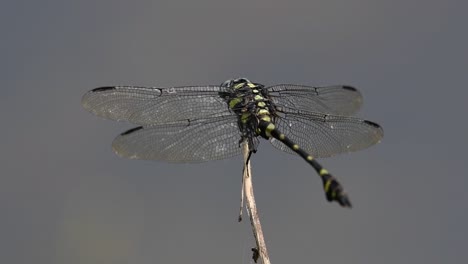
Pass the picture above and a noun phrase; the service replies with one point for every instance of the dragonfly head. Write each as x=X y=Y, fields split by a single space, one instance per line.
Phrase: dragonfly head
x=236 y=83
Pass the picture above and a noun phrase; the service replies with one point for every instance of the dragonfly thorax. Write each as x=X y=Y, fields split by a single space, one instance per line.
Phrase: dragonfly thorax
x=250 y=102
x=247 y=99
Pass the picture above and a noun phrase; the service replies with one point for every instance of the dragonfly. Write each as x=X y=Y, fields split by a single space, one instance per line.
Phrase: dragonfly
x=190 y=124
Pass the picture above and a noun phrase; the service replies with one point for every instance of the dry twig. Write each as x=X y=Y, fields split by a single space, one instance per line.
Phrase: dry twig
x=261 y=250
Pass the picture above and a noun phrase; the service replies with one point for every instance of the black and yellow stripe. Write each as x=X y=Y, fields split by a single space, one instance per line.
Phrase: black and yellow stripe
x=333 y=189
x=266 y=129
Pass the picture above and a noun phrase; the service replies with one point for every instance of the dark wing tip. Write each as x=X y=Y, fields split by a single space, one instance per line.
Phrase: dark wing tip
x=372 y=124
x=104 y=88
x=131 y=130
x=350 y=88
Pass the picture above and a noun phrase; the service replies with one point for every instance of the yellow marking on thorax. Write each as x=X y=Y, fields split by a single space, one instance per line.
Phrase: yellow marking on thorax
x=251 y=85
x=245 y=117
x=261 y=104
x=266 y=118
x=234 y=101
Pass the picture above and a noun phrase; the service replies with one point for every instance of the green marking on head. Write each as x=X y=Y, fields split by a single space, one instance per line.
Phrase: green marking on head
x=238 y=86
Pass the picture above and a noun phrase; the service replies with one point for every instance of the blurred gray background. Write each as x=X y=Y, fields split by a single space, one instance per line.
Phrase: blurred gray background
x=66 y=198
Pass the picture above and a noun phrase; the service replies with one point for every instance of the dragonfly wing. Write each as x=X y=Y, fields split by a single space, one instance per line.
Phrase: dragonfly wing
x=151 y=105
x=183 y=141
x=324 y=135
x=337 y=100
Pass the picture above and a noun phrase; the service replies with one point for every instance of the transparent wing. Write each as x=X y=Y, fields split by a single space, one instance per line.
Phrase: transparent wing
x=324 y=135
x=151 y=105
x=183 y=141
x=337 y=100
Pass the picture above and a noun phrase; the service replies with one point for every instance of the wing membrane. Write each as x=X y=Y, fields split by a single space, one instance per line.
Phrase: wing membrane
x=324 y=135
x=152 y=105
x=184 y=141
x=337 y=100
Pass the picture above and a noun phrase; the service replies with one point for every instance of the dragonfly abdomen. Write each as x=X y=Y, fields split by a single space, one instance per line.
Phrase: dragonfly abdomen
x=202 y=123
x=333 y=189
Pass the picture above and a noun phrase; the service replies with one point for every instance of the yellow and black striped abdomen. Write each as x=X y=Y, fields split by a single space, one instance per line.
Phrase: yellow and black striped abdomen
x=333 y=189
